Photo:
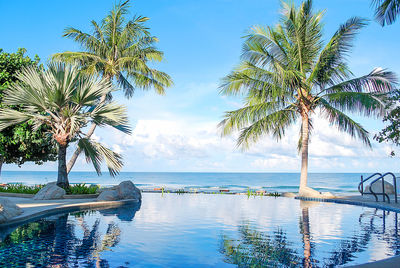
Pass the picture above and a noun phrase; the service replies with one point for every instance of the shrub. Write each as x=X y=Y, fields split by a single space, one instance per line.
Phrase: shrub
x=20 y=188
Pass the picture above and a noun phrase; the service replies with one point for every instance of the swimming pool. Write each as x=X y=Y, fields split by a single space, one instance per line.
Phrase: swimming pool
x=200 y=230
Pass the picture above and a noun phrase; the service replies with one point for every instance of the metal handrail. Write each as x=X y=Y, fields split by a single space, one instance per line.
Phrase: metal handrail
x=382 y=177
x=361 y=184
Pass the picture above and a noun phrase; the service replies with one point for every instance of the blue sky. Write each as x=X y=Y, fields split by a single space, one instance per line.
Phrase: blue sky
x=202 y=43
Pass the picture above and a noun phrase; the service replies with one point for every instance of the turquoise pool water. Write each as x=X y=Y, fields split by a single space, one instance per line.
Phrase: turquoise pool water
x=200 y=230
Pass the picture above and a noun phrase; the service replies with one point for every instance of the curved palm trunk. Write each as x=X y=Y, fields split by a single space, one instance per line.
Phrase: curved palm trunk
x=62 y=179
x=77 y=152
x=304 y=152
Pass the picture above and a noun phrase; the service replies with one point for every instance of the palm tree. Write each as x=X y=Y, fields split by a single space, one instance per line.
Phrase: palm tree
x=117 y=50
x=287 y=74
x=386 y=11
x=66 y=101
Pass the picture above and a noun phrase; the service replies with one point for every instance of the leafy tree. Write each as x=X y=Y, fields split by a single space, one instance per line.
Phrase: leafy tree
x=19 y=144
x=391 y=133
x=288 y=74
x=66 y=101
x=118 y=50
x=386 y=11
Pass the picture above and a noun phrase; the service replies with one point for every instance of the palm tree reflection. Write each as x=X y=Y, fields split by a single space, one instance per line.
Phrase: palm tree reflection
x=60 y=241
x=253 y=248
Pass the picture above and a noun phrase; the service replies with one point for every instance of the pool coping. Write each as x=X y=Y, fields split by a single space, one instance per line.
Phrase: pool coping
x=64 y=208
x=390 y=262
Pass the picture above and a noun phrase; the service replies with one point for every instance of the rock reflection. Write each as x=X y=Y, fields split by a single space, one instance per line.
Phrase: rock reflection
x=60 y=241
x=254 y=248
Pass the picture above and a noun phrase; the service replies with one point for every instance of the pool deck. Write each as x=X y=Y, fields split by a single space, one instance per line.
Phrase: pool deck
x=35 y=209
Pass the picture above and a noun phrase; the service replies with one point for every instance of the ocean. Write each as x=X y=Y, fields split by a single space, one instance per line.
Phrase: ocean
x=207 y=182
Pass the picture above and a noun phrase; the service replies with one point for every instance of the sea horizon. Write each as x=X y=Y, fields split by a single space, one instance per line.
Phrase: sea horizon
x=339 y=183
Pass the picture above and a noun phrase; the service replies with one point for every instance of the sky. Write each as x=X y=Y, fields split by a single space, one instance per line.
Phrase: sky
x=202 y=43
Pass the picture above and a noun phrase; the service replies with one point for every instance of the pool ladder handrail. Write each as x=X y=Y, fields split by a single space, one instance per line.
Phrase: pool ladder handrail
x=361 y=184
x=382 y=178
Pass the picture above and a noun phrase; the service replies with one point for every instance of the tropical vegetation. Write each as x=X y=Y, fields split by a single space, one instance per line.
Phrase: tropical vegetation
x=391 y=132
x=386 y=11
x=19 y=143
x=66 y=101
x=119 y=50
x=287 y=74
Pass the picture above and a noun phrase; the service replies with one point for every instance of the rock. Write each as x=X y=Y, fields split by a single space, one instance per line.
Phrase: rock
x=128 y=190
x=50 y=191
x=309 y=192
x=108 y=195
x=8 y=210
x=377 y=187
x=288 y=194
x=125 y=190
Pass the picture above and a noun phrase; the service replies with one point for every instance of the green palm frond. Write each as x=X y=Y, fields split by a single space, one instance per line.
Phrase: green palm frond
x=367 y=104
x=344 y=123
x=330 y=67
x=118 y=49
x=386 y=11
x=97 y=153
x=378 y=81
x=274 y=123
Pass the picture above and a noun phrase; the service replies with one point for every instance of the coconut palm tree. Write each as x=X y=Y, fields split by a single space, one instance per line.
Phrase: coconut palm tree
x=386 y=11
x=66 y=101
x=287 y=74
x=118 y=50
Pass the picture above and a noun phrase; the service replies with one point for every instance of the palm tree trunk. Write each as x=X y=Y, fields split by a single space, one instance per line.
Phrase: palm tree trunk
x=77 y=152
x=1 y=164
x=304 y=152
x=305 y=231
x=62 y=180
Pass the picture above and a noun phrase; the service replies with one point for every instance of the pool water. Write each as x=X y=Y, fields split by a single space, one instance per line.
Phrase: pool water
x=201 y=230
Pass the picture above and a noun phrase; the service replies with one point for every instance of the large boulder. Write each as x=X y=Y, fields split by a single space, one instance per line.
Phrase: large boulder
x=50 y=191
x=125 y=190
x=377 y=187
x=8 y=210
x=128 y=190
x=311 y=193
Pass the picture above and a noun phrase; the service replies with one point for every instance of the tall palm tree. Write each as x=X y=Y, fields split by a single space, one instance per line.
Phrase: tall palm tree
x=117 y=50
x=386 y=11
x=66 y=101
x=287 y=74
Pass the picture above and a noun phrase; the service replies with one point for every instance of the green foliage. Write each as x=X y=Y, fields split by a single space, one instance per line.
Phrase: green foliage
x=119 y=49
x=391 y=133
x=82 y=188
x=20 y=188
x=20 y=143
x=386 y=11
x=286 y=73
x=66 y=101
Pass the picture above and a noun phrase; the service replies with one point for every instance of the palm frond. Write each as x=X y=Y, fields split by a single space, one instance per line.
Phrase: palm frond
x=386 y=11
x=344 y=123
x=96 y=153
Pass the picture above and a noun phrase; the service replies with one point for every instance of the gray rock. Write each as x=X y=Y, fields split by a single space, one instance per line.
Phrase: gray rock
x=128 y=190
x=108 y=195
x=125 y=190
x=377 y=187
x=50 y=191
x=8 y=210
